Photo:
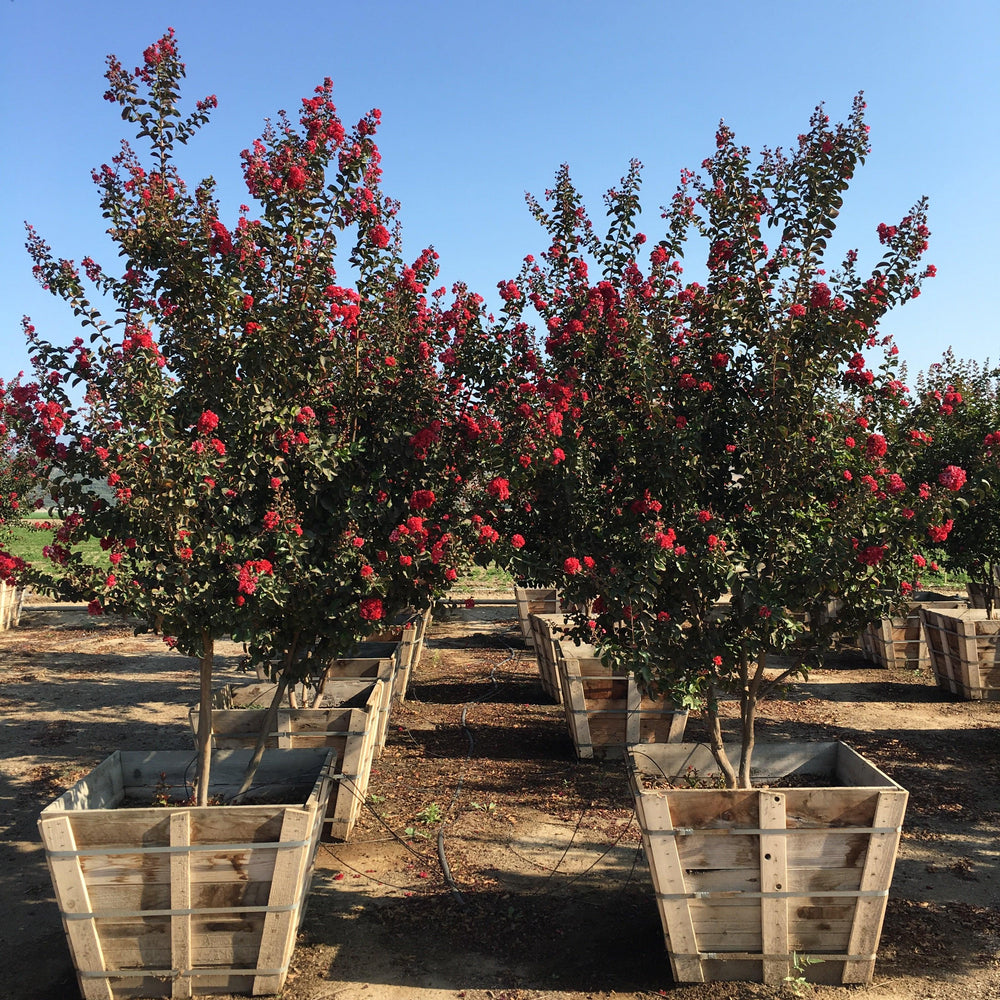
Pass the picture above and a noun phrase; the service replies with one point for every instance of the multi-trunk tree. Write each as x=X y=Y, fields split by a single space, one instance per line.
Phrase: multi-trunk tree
x=272 y=439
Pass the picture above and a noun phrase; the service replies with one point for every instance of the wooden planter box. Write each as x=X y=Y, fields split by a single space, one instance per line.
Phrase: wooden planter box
x=11 y=599
x=178 y=901
x=744 y=878
x=899 y=643
x=404 y=641
x=346 y=722
x=371 y=669
x=546 y=630
x=543 y=601
x=964 y=648
x=606 y=713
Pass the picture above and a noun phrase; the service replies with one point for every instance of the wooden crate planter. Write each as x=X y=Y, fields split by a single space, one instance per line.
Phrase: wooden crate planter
x=404 y=641
x=545 y=632
x=606 y=712
x=964 y=648
x=11 y=600
x=371 y=669
x=899 y=643
x=347 y=722
x=747 y=878
x=179 y=901
x=537 y=601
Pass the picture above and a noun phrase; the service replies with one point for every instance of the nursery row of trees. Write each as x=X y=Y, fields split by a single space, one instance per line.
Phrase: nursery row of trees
x=279 y=430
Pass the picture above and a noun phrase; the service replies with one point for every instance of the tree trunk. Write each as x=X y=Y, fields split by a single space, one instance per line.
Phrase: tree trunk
x=320 y=689
x=266 y=727
x=716 y=745
x=749 y=696
x=747 y=719
x=205 y=718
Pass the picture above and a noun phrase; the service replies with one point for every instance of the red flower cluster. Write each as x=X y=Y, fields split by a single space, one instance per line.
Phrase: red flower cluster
x=938 y=533
x=875 y=446
x=952 y=478
x=872 y=555
x=422 y=499
x=207 y=422
x=371 y=609
x=251 y=572
x=499 y=488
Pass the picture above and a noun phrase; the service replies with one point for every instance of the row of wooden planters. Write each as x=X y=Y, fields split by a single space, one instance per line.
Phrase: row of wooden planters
x=745 y=880
x=181 y=901
x=960 y=644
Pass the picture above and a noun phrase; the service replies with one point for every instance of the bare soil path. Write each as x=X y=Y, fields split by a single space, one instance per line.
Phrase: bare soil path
x=549 y=895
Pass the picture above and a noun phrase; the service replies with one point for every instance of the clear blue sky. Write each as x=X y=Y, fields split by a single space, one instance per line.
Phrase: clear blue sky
x=482 y=102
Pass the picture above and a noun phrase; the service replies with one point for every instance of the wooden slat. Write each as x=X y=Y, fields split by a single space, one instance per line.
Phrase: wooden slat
x=576 y=707
x=773 y=878
x=73 y=898
x=632 y=719
x=870 y=911
x=180 y=899
x=278 y=938
x=669 y=880
x=970 y=677
x=101 y=789
x=534 y=601
x=349 y=794
x=545 y=631
x=284 y=731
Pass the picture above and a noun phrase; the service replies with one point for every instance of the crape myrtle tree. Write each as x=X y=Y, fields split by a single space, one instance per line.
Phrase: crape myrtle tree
x=956 y=419
x=17 y=483
x=264 y=449
x=705 y=463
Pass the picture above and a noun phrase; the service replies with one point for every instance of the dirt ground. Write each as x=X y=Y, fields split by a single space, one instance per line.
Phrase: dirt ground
x=551 y=897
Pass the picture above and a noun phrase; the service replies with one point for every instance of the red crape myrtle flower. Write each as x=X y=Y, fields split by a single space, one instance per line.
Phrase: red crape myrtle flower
x=422 y=499
x=939 y=532
x=952 y=477
x=208 y=421
x=371 y=609
x=872 y=555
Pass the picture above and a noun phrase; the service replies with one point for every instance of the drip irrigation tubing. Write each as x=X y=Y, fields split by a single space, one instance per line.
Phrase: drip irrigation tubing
x=442 y=858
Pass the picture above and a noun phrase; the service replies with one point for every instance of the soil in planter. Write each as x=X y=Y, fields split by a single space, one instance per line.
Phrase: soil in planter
x=800 y=779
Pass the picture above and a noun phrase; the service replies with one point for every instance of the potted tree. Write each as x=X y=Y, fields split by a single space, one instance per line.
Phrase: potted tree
x=228 y=437
x=715 y=455
x=956 y=418
x=16 y=482
x=957 y=414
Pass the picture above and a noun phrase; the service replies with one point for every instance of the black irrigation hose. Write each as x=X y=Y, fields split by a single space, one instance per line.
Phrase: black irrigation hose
x=378 y=881
x=458 y=788
x=395 y=836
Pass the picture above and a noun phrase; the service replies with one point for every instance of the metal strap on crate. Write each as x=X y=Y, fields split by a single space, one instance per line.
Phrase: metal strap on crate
x=260 y=845
x=175 y=973
x=190 y=912
x=688 y=831
x=802 y=894
x=629 y=711
x=756 y=956
x=296 y=732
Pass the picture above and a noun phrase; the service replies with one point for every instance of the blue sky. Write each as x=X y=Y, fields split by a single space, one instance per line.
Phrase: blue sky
x=482 y=102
